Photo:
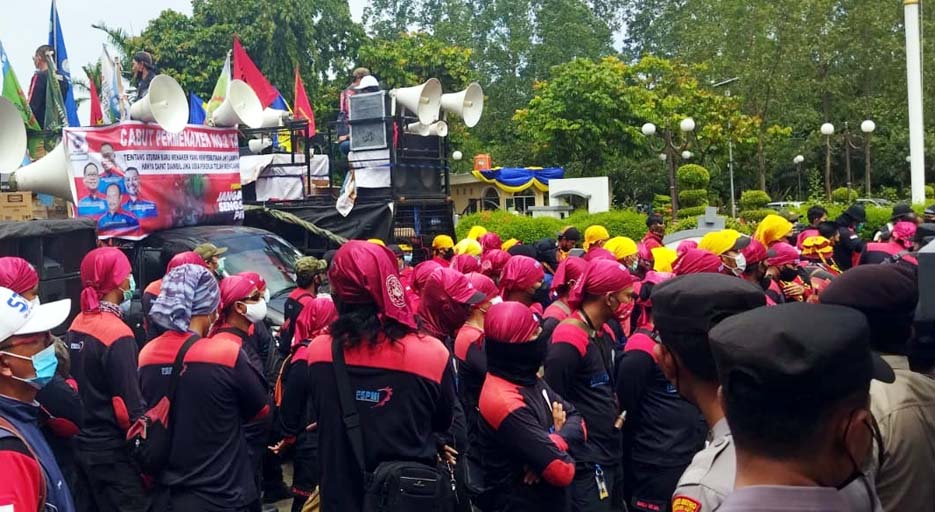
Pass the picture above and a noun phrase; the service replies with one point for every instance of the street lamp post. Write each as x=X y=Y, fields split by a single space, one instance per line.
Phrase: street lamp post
x=730 y=147
x=798 y=171
x=670 y=151
x=827 y=130
x=867 y=127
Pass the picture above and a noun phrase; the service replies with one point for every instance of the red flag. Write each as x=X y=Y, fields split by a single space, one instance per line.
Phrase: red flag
x=246 y=70
x=303 y=109
x=97 y=117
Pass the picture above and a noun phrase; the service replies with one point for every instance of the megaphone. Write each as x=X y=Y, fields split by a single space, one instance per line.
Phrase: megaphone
x=257 y=146
x=273 y=117
x=423 y=100
x=467 y=104
x=48 y=175
x=242 y=106
x=12 y=137
x=164 y=104
x=437 y=129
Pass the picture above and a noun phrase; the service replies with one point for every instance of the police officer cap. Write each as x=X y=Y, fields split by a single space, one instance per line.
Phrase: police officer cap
x=694 y=303
x=795 y=352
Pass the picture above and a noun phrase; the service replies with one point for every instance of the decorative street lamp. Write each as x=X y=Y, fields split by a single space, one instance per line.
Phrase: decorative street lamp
x=798 y=168
x=827 y=130
x=670 y=150
x=867 y=127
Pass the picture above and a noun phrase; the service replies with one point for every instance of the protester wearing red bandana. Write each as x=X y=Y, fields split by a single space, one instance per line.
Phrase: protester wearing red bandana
x=404 y=382
x=579 y=366
x=18 y=275
x=523 y=443
x=522 y=276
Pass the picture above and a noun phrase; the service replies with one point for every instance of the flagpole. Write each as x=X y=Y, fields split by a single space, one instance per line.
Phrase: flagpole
x=914 y=82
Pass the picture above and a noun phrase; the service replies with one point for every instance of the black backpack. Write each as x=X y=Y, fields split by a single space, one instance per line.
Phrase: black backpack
x=150 y=436
x=394 y=486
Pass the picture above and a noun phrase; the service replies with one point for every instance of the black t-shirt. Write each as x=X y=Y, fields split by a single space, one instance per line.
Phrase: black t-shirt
x=218 y=392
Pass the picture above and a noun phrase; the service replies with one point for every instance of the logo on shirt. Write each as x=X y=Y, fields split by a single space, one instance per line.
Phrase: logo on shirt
x=378 y=398
x=599 y=379
x=685 y=504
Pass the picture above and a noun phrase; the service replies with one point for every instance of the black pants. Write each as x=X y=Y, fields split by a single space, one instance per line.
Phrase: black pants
x=305 y=476
x=585 y=495
x=108 y=481
x=650 y=487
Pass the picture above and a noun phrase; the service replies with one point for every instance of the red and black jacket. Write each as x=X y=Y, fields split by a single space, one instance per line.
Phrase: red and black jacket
x=103 y=363
x=219 y=391
x=579 y=367
x=662 y=428
x=472 y=368
x=292 y=393
x=517 y=433
x=295 y=303
x=404 y=392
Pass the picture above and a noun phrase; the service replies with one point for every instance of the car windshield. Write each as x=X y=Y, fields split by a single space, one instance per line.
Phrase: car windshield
x=269 y=256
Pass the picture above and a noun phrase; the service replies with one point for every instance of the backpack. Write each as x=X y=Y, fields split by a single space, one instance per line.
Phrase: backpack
x=150 y=436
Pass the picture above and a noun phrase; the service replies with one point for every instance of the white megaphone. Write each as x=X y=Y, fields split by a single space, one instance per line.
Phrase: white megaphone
x=422 y=100
x=164 y=104
x=467 y=104
x=437 y=129
x=12 y=137
x=241 y=106
x=48 y=175
x=273 y=117
x=257 y=146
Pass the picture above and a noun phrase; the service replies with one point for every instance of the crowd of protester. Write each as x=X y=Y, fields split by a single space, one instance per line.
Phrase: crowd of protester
x=590 y=372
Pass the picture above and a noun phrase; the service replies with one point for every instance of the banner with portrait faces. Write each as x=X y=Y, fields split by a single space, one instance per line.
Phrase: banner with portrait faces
x=136 y=178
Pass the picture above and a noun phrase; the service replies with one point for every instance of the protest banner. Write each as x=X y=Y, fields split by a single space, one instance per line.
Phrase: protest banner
x=136 y=178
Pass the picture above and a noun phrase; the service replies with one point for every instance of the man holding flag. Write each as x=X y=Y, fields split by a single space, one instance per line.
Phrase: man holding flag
x=40 y=82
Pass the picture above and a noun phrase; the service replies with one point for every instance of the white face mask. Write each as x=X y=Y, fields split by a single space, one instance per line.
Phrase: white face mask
x=266 y=295
x=256 y=312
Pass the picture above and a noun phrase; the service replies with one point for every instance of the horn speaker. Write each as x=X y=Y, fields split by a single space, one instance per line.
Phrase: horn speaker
x=164 y=104
x=242 y=106
x=437 y=129
x=423 y=100
x=467 y=104
x=12 y=137
x=48 y=175
x=273 y=117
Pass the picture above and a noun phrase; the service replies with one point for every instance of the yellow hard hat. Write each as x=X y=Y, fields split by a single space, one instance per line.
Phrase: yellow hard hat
x=663 y=258
x=468 y=246
x=621 y=247
x=476 y=232
x=443 y=242
x=594 y=234
x=719 y=242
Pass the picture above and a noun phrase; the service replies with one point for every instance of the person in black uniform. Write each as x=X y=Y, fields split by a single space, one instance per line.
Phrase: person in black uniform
x=37 y=88
x=403 y=380
x=579 y=367
x=103 y=357
x=849 y=242
x=525 y=427
x=144 y=70
x=219 y=391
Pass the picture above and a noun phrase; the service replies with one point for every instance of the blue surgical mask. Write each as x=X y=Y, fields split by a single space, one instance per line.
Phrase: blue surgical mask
x=44 y=364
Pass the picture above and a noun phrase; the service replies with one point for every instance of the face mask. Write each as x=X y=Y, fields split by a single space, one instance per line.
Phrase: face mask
x=128 y=293
x=220 y=271
x=44 y=364
x=740 y=265
x=788 y=274
x=266 y=295
x=408 y=259
x=632 y=267
x=256 y=312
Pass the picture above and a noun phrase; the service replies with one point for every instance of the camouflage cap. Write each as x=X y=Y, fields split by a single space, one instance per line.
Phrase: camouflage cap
x=310 y=265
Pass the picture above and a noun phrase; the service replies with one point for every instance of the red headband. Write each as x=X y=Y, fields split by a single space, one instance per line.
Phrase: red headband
x=363 y=272
x=102 y=271
x=17 y=275
x=510 y=322
x=520 y=273
x=696 y=261
x=602 y=276
x=234 y=289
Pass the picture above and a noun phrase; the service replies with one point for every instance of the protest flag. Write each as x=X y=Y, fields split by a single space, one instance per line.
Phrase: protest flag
x=114 y=105
x=13 y=92
x=55 y=115
x=303 y=109
x=220 y=88
x=97 y=116
x=196 y=109
x=244 y=69
x=57 y=42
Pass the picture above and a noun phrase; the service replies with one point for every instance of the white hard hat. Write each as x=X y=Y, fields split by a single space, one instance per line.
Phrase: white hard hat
x=20 y=316
x=367 y=81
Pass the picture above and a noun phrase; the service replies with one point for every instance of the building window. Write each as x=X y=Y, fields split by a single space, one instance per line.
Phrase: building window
x=522 y=201
x=491 y=199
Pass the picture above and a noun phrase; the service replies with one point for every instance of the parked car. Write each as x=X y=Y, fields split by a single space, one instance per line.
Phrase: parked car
x=248 y=249
x=784 y=205
x=882 y=203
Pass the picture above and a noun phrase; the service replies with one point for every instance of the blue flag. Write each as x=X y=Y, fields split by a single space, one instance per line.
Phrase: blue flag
x=57 y=42
x=196 y=109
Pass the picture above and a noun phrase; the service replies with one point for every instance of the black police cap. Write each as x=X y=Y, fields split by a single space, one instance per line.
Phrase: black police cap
x=694 y=303
x=571 y=233
x=797 y=351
